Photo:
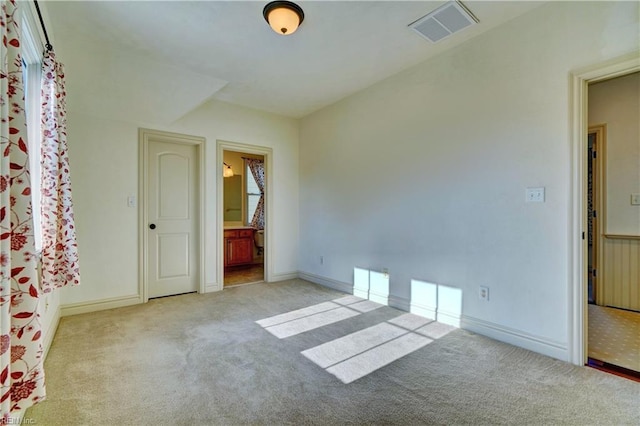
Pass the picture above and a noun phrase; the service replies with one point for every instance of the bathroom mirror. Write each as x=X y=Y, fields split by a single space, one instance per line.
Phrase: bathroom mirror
x=233 y=199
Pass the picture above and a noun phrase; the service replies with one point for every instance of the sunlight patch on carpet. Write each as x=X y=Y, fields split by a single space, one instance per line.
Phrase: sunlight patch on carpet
x=316 y=316
x=358 y=354
x=297 y=314
x=336 y=351
x=367 y=362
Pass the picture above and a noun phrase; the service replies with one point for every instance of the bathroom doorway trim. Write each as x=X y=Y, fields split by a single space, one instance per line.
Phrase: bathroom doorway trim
x=267 y=153
x=577 y=309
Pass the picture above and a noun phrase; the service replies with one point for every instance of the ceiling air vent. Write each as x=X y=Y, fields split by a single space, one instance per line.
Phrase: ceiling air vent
x=449 y=18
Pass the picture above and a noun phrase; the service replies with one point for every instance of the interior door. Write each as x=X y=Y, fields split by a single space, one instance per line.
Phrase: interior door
x=172 y=219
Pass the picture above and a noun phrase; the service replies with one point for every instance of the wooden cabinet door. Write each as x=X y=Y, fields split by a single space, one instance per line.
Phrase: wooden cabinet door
x=239 y=251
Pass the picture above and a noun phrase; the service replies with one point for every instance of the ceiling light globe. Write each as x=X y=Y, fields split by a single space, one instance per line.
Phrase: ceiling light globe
x=283 y=21
x=284 y=17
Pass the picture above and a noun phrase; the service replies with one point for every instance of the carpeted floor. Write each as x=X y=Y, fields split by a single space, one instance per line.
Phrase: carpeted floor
x=236 y=357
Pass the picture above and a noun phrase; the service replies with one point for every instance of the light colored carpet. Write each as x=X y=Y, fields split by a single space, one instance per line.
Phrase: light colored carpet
x=614 y=336
x=204 y=359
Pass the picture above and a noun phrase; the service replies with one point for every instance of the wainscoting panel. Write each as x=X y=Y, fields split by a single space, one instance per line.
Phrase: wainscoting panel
x=620 y=281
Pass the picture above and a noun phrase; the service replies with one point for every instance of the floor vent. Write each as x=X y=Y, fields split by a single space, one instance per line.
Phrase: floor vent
x=448 y=19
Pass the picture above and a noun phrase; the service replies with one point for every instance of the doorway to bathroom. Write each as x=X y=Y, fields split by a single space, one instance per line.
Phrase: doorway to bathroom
x=244 y=175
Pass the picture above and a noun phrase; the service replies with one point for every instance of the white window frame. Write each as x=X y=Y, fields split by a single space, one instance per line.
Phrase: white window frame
x=31 y=50
x=247 y=194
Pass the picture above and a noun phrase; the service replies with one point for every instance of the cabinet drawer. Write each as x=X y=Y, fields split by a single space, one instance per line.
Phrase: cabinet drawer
x=246 y=233
x=231 y=234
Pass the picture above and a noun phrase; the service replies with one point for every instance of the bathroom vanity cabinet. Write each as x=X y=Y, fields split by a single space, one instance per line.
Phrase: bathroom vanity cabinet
x=238 y=246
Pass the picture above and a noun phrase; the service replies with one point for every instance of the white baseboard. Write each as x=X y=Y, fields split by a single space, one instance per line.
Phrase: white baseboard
x=326 y=282
x=99 y=305
x=381 y=299
x=212 y=287
x=48 y=337
x=495 y=331
x=516 y=337
x=360 y=293
x=425 y=311
x=449 y=318
x=429 y=313
x=283 y=276
x=400 y=303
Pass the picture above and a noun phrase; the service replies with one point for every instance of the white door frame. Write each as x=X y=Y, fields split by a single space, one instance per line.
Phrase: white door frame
x=580 y=80
x=144 y=137
x=267 y=153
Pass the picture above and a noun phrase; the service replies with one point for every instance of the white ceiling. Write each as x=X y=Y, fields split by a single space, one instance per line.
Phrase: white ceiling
x=225 y=50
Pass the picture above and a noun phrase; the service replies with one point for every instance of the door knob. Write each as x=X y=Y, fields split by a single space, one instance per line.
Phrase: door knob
x=152 y=226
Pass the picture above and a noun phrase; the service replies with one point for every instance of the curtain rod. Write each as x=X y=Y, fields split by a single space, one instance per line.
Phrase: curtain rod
x=48 y=46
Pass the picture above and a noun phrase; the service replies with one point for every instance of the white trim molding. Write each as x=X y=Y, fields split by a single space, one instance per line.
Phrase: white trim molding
x=212 y=287
x=99 y=305
x=51 y=332
x=326 y=282
x=283 y=276
x=486 y=328
x=495 y=331
x=577 y=280
x=267 y=153
x=515 y=337
x=404 y=304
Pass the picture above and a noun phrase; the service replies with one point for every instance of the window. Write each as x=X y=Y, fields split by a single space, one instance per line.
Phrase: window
x=253 y=194
x=31 y=73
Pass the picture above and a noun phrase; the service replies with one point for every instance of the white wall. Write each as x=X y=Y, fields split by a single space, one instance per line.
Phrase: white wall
x=616 y=103
x=425 y=172
x=104 y=160
x=221 y=121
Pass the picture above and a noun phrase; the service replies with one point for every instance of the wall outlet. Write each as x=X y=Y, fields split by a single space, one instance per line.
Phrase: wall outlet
x=484 y=293
x=535 y=195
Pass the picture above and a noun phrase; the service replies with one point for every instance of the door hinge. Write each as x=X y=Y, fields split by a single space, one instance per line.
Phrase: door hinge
x=595 y=272
x=595 y=213
x=583 y=235
x=595 y=154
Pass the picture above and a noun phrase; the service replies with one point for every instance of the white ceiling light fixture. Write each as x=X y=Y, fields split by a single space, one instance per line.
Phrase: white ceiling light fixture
x=228 y=171
x=284 y=17
x=449 y=18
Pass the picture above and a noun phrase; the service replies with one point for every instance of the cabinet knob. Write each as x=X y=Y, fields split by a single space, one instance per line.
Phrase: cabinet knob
x=152 y=226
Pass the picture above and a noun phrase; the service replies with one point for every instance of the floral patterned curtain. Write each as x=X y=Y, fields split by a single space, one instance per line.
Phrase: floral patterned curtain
x=257 y=170
x=59 y=245
x=21 y=373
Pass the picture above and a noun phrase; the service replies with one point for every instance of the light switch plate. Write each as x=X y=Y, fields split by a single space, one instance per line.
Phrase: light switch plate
x=635 y=199
x=535 y=195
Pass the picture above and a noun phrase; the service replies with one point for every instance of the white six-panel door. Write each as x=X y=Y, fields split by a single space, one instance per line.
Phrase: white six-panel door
x=172 y=219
